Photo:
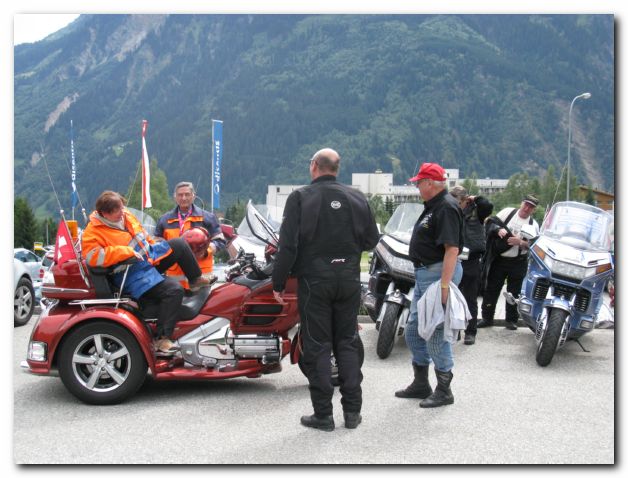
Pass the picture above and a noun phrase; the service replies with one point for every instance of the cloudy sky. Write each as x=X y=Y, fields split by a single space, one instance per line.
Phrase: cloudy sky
x=31 y=27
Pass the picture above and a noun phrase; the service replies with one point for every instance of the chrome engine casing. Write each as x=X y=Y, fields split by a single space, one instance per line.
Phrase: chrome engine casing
x=213 y=345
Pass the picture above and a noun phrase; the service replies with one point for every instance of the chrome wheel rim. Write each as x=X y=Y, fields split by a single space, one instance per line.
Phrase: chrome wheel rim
x=22 y=302
x=101 y=363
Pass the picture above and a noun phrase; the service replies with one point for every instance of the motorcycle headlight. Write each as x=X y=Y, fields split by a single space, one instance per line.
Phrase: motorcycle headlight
x=396 y=264
x=37 y=351
x=566 y=269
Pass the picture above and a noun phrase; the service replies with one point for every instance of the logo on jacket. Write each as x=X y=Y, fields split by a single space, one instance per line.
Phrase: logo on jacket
x=338 y=261
x=425 y=221
x=335 y=204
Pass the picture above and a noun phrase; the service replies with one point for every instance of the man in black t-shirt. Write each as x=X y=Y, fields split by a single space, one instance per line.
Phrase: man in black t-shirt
x=434 y=247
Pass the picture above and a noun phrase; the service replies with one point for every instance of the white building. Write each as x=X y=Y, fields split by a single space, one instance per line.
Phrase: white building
x=379 y=184
x=374 y=184
x=276 y=198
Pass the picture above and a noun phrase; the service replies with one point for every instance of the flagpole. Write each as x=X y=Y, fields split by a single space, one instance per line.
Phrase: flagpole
x=146 y=201
x=213 y=162
x=78 y=257
x=73 y=172
x=216 y=162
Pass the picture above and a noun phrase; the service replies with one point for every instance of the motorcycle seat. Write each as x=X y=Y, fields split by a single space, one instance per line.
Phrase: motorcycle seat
x=190 y=307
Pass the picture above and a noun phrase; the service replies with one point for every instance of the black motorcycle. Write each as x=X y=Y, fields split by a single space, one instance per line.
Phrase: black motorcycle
x=391 y=282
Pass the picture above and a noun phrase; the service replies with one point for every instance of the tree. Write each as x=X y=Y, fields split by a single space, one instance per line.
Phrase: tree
x=389 y=205
x=379 y=210
x=589 y=198
x=47 y=231
x=235 y=213
x=471 y=184
x=25 y=225
x=160 y=198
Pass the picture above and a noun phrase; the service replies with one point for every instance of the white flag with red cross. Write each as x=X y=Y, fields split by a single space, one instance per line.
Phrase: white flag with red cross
x=146 y=202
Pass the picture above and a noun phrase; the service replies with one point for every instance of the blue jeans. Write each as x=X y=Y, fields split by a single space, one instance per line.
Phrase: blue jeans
x=436 y=348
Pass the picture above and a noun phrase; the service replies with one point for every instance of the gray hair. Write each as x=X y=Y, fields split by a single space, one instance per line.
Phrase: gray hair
x=327 y=160
x=184 y=184
x=458 y=192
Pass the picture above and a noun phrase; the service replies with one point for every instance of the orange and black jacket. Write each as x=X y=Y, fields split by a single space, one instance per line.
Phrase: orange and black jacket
x=104 y=246
x=168 y=227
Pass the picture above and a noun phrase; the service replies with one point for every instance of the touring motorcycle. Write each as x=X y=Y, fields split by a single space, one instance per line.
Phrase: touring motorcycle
x=391 y=282
x=569 y=265
x=100 y=342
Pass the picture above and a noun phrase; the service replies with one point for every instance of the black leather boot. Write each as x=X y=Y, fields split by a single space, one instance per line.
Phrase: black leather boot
x=485 y=323
x=442 y=394
x=420 y=387
x=321 y=423
x=352 y=419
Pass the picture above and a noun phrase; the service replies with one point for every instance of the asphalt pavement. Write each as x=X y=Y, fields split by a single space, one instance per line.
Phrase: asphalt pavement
x=507 y=410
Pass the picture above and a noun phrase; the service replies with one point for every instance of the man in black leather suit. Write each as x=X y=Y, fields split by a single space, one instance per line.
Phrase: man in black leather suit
x=325 y=228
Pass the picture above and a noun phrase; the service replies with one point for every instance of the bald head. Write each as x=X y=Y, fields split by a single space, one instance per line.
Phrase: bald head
x=325 y=161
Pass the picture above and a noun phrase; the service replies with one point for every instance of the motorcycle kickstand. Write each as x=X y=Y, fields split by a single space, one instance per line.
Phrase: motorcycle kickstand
x=581 y=346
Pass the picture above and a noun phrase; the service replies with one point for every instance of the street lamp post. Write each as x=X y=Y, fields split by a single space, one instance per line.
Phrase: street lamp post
x=586 y=96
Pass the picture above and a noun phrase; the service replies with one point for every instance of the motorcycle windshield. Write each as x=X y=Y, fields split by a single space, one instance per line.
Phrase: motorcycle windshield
x=258 y=225
x=401 y=223
x=148 y=223
x=579 y=225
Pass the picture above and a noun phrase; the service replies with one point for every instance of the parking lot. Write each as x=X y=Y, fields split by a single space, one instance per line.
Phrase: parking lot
x=507 y=410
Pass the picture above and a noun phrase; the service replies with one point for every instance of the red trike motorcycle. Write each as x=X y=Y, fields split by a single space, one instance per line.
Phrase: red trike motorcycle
x=101 y=343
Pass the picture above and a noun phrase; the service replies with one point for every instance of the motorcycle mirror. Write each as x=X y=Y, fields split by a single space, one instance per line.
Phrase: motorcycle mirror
x=528 y=232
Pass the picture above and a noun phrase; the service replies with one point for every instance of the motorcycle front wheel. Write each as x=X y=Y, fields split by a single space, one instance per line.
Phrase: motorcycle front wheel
x=388 y=330
x=101 y=363
x=549 y=340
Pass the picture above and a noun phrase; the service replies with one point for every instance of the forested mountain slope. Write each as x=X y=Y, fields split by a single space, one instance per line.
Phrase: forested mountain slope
x=488 y=94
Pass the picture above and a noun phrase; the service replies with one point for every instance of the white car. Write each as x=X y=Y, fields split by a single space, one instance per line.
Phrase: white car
x=24 y=296
x=33 y=264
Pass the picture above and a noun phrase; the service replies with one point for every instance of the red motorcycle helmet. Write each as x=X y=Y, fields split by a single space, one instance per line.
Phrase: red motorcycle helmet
x=198 y=240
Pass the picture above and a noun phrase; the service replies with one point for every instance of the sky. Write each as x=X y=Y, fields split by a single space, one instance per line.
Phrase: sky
x=32 y=27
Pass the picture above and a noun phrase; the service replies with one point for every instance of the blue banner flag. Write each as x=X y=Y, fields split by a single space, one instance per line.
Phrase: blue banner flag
x=74 y=191
x=216 y=162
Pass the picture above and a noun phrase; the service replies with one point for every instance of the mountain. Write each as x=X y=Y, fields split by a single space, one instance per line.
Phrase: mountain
x=488 y=94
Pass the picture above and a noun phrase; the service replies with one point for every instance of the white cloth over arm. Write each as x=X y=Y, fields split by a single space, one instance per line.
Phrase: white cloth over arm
x=431 y=314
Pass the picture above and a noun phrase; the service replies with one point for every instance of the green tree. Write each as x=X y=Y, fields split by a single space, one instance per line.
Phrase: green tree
x=389 y=204
x=235 y=213
x=548 y=187
x=471 y=184
x=379 y=210
x=25 y=225
x=160 y=198
x=589 y=198
x=47 y=231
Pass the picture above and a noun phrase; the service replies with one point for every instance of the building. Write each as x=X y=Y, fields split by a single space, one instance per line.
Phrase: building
x=379 y=184
x=602 y=199
x=276 y=199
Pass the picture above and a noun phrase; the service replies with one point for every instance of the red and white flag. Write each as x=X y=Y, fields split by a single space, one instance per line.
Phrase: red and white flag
x=146 y=202
x=64 y=248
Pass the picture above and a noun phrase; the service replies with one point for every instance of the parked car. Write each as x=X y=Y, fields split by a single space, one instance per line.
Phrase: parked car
x=33 y=264
x=24 y=295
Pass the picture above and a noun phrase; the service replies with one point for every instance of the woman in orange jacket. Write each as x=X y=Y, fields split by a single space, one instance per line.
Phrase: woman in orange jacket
x=114 y=235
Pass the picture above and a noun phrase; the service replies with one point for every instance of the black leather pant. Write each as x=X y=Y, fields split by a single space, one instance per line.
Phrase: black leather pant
x=182 y=255
x=168 y=294
x=329 y=310
x=470 y=286
x=513 y=271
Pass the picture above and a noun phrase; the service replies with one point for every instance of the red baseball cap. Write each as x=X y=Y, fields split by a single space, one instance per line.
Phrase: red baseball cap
x=430 y=171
